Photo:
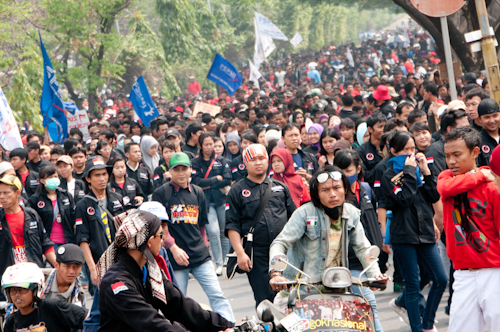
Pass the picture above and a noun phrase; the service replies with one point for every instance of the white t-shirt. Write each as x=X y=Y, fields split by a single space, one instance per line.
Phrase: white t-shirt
x=71 y=187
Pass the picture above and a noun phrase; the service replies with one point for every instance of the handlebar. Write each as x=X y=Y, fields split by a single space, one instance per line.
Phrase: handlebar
x=368 y=282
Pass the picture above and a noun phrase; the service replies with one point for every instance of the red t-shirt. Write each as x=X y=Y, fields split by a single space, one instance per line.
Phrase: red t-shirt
x=480 y=247
x=16 y=225
x=23 y=177
x=120 y=184
x=194 y=87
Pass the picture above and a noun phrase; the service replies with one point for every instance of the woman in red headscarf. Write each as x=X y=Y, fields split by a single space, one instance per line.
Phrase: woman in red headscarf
x=284 y=171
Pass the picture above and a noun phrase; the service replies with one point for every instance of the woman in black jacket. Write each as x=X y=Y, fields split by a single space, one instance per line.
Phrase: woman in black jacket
x=212 y=174
x=55 y=206
x=413 y=232
x=127 y=187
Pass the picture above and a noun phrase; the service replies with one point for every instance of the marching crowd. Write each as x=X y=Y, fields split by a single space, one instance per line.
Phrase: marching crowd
x=365 y=139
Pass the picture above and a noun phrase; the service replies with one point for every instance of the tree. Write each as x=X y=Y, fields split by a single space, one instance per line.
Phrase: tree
x=465 y=20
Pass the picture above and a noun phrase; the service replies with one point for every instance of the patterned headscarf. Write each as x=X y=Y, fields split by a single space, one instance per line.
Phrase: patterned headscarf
x=135 y=230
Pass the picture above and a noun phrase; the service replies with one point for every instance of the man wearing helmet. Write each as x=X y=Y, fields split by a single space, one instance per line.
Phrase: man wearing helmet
x=22 y=284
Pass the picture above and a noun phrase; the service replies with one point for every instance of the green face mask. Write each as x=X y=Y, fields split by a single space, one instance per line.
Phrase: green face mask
x=52 y=183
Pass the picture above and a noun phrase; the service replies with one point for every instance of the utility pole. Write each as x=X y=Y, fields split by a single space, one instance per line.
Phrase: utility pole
x=489 y=50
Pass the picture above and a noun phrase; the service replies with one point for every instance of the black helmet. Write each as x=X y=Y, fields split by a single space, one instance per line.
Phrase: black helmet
x=320 y=105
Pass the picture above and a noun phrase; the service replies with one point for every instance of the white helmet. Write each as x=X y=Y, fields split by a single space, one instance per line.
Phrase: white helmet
x=23 y=275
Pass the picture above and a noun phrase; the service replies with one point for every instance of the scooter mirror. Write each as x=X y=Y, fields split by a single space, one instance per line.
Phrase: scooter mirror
x=278 y=262
x=372 y=254
x=267 y=315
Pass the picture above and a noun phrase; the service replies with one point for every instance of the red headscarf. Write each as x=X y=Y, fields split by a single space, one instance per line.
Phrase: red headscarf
x=292 y=180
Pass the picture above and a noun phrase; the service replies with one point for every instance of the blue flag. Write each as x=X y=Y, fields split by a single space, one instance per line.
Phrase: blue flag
x=142 y=102
x=224 y=74
x=51 y=104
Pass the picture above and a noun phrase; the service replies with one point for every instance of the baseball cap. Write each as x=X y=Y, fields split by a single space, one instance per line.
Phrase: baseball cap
x=417 y=76
x=104 y=123
x=470 y=77
x=155 y=208
x=456 y=105
x=70 y=253
x=487 y=106
x=12 y=180
x=32 y=146
x=5 y=166
x=93 y=163
x=65 y=159
x=179 y=158
x=172 y=132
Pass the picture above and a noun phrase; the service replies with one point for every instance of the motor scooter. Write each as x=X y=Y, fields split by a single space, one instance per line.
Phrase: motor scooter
x=332 y=308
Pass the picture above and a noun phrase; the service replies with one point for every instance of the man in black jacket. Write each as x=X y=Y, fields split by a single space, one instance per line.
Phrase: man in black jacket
x=369 y=152
x=136 y=171
x=29 y=178
x=134 y=289
x=34 y=161
x=243 y=202
x=22 y=235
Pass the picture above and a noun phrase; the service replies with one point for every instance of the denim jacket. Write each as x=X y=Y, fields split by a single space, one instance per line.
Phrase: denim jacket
x=305 y=240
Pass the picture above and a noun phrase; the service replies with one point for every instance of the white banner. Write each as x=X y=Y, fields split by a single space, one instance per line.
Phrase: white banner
x=267 y=28
x=254 y=74
x=10 y=138
x=296 y=40
x=349 y=57
x=81 y=121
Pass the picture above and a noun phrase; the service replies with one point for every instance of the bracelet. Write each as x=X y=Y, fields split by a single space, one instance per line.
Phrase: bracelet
x=275 y=273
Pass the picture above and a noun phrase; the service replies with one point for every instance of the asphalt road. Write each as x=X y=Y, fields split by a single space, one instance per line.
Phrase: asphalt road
x=240 y=295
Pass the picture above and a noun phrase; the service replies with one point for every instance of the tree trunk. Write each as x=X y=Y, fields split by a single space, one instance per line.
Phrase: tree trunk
x=458 y=44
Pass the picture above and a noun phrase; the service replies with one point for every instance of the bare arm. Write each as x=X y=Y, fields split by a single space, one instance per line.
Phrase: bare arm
x=244 y=261
x=90 y=261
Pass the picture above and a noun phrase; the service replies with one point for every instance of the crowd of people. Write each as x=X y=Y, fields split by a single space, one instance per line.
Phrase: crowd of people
x=365 y=139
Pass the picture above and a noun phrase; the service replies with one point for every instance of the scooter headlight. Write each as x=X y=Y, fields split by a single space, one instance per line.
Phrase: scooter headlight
x=337 y=277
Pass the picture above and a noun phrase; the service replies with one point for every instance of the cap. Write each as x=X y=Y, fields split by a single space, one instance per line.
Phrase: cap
x=93 y=163
x=155 y=208
x=254 y=150
x=65 y=159
x=70 y=253
x=104 y=123
x=470 y=77
x=456 y=105
x=179 y=158
x=341 y=144
x=5 y=166
x=109 y=103
x=172 y=132
x=495 y=161
x=417 y=76
x=487 y=106
x=32 y=145
x=12 y=180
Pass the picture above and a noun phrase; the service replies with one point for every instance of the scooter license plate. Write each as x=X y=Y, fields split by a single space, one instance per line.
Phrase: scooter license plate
x=293 y=323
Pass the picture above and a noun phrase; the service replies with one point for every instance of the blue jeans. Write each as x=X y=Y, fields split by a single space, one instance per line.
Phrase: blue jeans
x=91 y=324
x=368 y=294
x=408 y=256
x=205 y=274
x=219 y=243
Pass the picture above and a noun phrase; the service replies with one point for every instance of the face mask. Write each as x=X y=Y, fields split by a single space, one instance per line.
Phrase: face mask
x=353 y=178
x=52 y=183
x=120 y=144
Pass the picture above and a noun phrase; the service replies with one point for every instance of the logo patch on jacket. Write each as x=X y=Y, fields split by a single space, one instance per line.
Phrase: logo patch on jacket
x=485 y=148
x=143 y=176
x=246 y=193
x=369 y=156
x=119 y=286
x=41 y=204
x=312 y=220
x=79 y=221
x=241 y=167
x=90 y=211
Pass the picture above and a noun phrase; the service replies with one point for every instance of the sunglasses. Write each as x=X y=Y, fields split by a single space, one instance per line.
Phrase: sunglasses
x=160 y=235
x=336 y=176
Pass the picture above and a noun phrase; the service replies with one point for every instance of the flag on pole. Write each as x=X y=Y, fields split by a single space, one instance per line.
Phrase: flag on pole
x=9 y=133
x=264 y=46
x=224 y=74
x=254 y=74
x=51 y=104
x=296 y=40
x=267 y=28
x=142 y=102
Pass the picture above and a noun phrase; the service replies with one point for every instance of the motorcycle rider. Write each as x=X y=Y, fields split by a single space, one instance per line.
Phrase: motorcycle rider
x=22 y=284
x=133 y=287
x=310 y=225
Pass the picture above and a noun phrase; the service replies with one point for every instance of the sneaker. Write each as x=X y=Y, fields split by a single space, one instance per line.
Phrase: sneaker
x=430 y=330
x=400 y=311
x=219 y=271
x=398 y=288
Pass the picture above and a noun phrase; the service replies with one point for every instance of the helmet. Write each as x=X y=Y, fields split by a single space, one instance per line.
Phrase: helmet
x=315 y=92
x=23 y=275
x=320 y=106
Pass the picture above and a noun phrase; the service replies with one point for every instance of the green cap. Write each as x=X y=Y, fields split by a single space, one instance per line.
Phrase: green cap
x=179 y=158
